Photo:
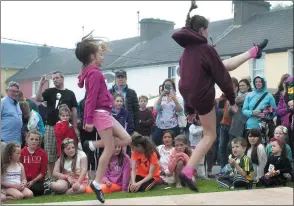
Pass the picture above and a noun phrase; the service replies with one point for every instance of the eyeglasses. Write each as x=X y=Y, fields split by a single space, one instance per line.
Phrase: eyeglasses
x=14 y=91
x=68 y=141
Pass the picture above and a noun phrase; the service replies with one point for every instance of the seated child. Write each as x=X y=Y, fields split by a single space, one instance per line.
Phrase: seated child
x=70 y=170
x=277 y=165
x=179 y=158
x=256 y=152
x=145 y=165
x=63 y=129
x=281 y=132
x=34 y=160
x=165 y=152
x=242 y=169
x=117 y=175
x=13 y=175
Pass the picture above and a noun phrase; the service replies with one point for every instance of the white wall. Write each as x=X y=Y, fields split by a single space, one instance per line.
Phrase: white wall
x=144 y=80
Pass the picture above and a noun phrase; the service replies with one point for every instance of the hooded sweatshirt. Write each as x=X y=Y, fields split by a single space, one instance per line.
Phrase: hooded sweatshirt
x=250 y=101
x=117 y=174
x=34 y=164
x=200 y=69
x=98 y=97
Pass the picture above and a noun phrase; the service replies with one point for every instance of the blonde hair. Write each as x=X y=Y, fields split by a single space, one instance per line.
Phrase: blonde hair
x=64 y=108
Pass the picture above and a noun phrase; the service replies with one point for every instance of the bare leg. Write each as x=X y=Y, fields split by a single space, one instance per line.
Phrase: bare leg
x=209 y=135
x=79 y=191
x=236 y=61
x=255 y=52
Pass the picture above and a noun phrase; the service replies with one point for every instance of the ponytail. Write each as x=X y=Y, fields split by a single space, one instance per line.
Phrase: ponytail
x=193 y=6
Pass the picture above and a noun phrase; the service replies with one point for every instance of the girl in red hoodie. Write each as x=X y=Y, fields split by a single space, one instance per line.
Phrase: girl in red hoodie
x=34 y=160
x=200 y=69
x=63 y=129
x=98 y=107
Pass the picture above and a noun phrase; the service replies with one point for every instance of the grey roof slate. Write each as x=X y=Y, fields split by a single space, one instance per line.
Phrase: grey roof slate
x=67 y=63
x=18 y=56
x=277 y=26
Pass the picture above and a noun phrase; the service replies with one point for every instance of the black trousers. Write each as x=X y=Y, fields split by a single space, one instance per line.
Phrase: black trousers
x=146 y=185
x=38 y=188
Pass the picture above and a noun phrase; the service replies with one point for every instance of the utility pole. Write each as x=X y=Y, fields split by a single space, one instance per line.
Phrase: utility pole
x=138 y=12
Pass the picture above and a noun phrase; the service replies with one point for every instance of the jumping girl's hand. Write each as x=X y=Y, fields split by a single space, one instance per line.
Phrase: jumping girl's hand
x=234 y=108
x=75 y=186
x=89 y=127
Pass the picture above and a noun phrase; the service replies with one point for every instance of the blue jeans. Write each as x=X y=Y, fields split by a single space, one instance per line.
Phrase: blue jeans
x=157 y=134
x=225 y=139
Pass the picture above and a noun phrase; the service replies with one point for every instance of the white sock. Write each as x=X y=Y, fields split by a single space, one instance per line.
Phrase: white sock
x=92 y=146
x=96 y=184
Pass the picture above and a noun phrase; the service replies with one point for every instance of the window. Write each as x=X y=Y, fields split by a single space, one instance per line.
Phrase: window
x=290 y=62
x=257 y=66
x=35 y=87
x=172 y=73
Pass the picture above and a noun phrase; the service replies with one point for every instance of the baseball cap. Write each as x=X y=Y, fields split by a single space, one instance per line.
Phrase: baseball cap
x=122 y=73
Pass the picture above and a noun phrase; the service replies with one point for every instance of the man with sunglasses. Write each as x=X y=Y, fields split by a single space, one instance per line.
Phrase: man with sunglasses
x=11 y=115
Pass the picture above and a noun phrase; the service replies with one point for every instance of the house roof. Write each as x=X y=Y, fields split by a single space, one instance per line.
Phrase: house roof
x=277 y=26
x=67 y=63
x=18 y=56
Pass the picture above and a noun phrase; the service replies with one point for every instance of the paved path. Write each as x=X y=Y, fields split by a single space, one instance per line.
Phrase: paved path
x=273 y=196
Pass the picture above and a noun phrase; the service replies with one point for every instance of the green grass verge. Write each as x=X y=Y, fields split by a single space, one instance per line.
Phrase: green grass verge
x=205 y=186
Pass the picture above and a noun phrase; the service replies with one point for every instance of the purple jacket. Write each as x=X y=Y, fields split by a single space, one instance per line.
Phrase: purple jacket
x=116 y=174
x=283 y=111
x=98 y=97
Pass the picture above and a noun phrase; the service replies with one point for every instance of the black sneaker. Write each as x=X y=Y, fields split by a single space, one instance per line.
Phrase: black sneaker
x=188 y=182
x=87 y=147
x=99 y=193
x=261 y=46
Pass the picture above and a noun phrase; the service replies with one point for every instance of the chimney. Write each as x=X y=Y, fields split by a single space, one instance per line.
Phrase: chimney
x=150 y=28
x=244 y=10
x=43 y=51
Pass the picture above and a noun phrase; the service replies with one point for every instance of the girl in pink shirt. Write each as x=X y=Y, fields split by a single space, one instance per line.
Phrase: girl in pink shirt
x=98 y=107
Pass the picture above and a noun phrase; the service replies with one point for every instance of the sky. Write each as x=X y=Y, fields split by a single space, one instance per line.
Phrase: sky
x=60 y=23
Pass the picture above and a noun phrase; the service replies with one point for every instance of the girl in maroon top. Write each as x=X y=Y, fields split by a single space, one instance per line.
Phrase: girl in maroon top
x=98 y=107
x=200 y=69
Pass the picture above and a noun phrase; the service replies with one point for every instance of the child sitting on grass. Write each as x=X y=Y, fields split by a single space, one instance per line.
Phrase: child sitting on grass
x=145 y=165
x=277 y=165
x=13 y=177
x=34 y=160
x=179 y=158
x=165 y=150
x=281 y=132
x=117 y=175
x=243 y=173
x=70 y=170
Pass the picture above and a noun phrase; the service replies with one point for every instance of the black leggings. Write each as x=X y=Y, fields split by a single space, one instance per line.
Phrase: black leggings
x=38 y=188
x=146 y=185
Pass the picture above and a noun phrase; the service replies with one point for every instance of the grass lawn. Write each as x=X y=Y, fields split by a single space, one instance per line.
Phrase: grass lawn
x=205 y=186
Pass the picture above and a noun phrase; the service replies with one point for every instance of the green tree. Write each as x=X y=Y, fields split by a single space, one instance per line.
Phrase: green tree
x=281 y=6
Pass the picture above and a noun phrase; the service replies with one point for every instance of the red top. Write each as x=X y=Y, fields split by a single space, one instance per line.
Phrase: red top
x=63 y=130
x=34 y=164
